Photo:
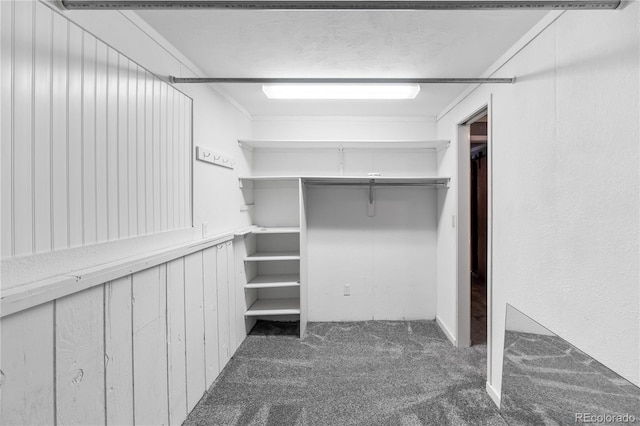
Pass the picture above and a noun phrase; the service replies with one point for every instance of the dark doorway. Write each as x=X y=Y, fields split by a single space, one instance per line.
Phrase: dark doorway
x=478 y=203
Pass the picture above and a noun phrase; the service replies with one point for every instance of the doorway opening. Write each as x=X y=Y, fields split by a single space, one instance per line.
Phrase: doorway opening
x=478 y=198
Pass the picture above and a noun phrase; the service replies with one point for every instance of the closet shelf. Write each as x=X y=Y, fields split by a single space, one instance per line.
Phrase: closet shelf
x=274 y=255
x=274 y=281
x=276 y=230
x=440 y=181
x=354 y=144
x=274 y=307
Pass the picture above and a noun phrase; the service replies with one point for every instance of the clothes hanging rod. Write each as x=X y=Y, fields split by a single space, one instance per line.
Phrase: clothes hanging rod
x=376 y=184
x=340 y=4
x=508 y=80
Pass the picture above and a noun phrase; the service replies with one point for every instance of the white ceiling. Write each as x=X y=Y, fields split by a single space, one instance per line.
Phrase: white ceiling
x=342 y=44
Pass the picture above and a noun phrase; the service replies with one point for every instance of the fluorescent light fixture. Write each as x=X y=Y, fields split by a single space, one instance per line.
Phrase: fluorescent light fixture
x=341 y=91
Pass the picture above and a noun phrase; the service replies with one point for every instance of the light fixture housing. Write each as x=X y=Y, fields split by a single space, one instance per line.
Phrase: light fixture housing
x=341 y=91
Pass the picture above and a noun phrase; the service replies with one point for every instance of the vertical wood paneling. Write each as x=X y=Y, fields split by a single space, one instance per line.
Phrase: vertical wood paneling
x=112 y=145
x=59 y=137
x=102 y=150
x=6 y=130
x=149 y=133
x=175 y=167
x=132 y=138
x=23 y=104
x=27 y=365
x=164 y=90
x=169 y=172
x=118 y=352
x=42 y=129
x=123 y=148
x=187 y=162
x=239 y=251
x=140 y=153
x=150 y=347
x=210 y=274
x=80 y=358
x=157 y=123
x=223 y=306
x=89 y=158
x=195 y=328
x=74 y=126
x=177 y=374
x=231 y=284
x=181 y=162
x=94 y=149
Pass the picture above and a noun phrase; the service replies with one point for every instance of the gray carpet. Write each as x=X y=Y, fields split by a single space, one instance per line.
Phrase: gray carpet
x=363 y=373
x=546 y=381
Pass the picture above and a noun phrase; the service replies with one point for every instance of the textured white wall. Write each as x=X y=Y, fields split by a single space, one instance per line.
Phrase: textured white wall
x=565 y=188
x=344 y=128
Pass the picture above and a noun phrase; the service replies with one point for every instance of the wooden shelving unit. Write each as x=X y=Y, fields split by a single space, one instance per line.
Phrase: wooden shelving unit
x=271 y=307
x=269 y=286
x=274 y=281
x=271 y=256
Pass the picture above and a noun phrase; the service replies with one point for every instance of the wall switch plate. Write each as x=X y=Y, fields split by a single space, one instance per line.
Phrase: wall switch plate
x=347 y=289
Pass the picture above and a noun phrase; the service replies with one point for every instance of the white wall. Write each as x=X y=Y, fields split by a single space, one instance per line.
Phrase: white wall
x=344 y=128
x=565 y=188
x=389 y=260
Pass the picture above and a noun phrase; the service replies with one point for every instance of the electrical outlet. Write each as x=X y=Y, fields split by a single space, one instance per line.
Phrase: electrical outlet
x=347 y=289
x=205 y=229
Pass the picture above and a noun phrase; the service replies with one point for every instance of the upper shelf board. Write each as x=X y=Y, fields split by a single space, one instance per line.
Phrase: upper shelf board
x=276 y=230
x=358 y=180
x=253 y=229
x=355 y=144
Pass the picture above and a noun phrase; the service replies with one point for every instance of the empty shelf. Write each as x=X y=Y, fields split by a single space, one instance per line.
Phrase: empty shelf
x=366 y=144
x=275 y=255
x=274 y=307
x=276 y=230
x=274 y=280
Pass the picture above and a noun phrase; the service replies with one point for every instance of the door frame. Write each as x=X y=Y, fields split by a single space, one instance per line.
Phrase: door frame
x=463 y=298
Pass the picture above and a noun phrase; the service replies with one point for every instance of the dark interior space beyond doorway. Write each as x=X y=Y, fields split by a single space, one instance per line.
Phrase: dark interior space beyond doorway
x=478 y=203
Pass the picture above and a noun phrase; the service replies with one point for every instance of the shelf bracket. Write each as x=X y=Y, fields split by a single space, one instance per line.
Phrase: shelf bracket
x=371 y=207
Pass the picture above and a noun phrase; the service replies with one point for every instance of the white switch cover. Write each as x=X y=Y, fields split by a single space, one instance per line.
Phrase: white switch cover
x=347 y=289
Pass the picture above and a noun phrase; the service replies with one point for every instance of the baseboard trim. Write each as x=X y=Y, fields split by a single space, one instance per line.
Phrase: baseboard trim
x=493 y=394
x=446 y=331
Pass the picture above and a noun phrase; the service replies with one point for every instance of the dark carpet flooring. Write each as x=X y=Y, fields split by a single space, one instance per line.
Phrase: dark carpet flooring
x=546 y=381
x=370 y=373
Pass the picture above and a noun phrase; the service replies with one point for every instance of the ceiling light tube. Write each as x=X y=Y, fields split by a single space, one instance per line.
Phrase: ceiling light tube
x=341 y=91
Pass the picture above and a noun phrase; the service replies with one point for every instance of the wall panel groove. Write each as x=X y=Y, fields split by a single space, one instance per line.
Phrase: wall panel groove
x=93 y=143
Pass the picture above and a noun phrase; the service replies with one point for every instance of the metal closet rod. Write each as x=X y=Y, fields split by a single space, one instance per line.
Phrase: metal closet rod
x=341 y=4
x=374 y=185
x=508 y=80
